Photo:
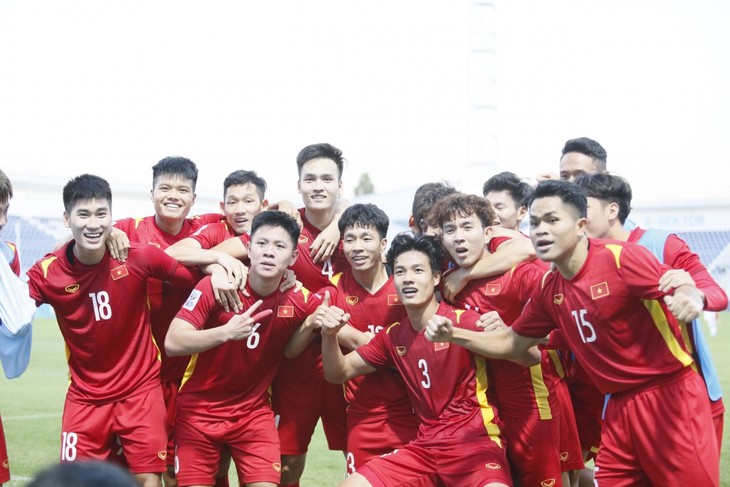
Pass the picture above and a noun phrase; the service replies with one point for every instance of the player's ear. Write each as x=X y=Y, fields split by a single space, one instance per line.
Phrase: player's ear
x=581 y=225
x=383 y=245
x=293 y=259
x=264 y=205
x=436 y=278
x=613 y=210
x=521 y=213
x=223 y=206
x=65 y=220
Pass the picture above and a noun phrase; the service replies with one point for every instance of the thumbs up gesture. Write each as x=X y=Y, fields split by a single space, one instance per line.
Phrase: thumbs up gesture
x=330 y=318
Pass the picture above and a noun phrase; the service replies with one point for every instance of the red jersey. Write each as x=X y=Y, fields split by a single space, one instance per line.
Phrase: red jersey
x=230 y=380
x=102 y=313
x=210 y=235
x=381 y=393
x=14 y=261
x=612 y=316
x=308 y=365
x=446 y=383
x=520 y=391
x=164 y=300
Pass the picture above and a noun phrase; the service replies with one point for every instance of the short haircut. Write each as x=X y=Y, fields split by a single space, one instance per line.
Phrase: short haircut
x=511 y=183
x=6 y=188
x=588 y=147
x=272 y=218
x=426 y=197
x=463 y=205
x=175 y=166
x=609 y=188
x=319 y=151
x=426 y=244
x=85 y=187
x=88 y=473
x=241 y=177
x=364 y=215
x=569 y=193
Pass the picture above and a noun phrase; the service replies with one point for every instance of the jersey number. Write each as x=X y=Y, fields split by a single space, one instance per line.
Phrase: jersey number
x=375 y=329
x=100 y=301
x=426 y=383
x=68 y=446
x=327 y=269
x=254 y=338
x=586 y=330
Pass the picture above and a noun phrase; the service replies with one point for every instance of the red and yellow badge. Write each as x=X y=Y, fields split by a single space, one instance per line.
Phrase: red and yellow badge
x=393 y=300
x=285 y=311
x=564 y=456
x=440 y=346
x=547 y=483
x=492 y=288
x=400 y=351
x=493 y=466
x=162 y=454
x=352 y=300
x=277 y=466
x=600 y=290
x=72 y=288
x=558 y=299
x=303 y=239
x=119 y=272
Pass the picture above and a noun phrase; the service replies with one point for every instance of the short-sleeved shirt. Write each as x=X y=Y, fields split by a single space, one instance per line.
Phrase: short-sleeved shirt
x=382 y=392
x=165 y=300
x=612 y=316
x=448 y=385
x=103 y=316
x=211 y=234
x=233 y=378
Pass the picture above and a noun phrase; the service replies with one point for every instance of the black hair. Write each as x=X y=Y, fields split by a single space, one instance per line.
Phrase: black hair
x=175 y=166
x=272 y=218
x=85 y=187
x=590 y=148
x=364 y=215
x=317 y=151
x=426 y=244
x=511 y=183
x=569 y=193
x=241 y=177
x=609 y=188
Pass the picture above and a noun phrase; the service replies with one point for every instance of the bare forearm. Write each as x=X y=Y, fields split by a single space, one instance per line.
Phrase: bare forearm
x=181 y=341
x=333 y=361
x=500 y=344
x=299 y=341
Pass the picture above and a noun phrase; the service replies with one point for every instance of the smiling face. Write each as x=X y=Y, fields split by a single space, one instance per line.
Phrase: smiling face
x=363 y=248
x=173 y=197
x=414 y=279
x=319 y=184
x=271 y=252
x=555 y=229
x=464 y=238
x=90 y=222
x=242 y=203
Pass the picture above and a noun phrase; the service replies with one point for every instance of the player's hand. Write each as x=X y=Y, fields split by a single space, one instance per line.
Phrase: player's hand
x=491 y=321
x=439 y=329
x=674 y=278
x=241 y=326
x=225 y=291
x=330 y=318
x=453 y=283
x=236 y=270
x=118 y=244
x=684 y=307
x=325 y=244
x=290 y=281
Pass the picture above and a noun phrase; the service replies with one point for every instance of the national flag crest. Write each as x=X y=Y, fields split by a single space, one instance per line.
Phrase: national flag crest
x=600 y=290
x=352 y=300
x=558 y=299
x=492 y=289
x=440 y=346
x=303 y=239
x=72 y=288
x=119 y=272
x=400 y=351
x=285 y=311
x=393 y=300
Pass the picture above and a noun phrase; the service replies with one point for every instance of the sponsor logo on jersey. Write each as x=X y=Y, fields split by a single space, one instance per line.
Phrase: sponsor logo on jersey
x=393 y=300
x=303 y=239
x=493 y=466
x=72 y=288
x=119 y=272
x=352 y=300
x=558 y=299
x=492 y=289
x=564 y=456
x=440 y=346
x=192 y=300
x=277 y=466
x=599 y=290
x=547 y=483
x=400 y=351
x=162 y=455
x=285 y=311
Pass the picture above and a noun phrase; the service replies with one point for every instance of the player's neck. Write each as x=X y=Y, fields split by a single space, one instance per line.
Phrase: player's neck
x=88 y=257
x=371 y=279
x=570 y=266
x=419 y=315
x=263 y=286
x=617 y=232
x=167 y=225
x=319 y=218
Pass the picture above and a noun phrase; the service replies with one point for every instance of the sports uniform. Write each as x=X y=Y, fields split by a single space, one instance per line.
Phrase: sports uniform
x=113 y=362
x=14 y=261
x=613 y=318
x=458 y=437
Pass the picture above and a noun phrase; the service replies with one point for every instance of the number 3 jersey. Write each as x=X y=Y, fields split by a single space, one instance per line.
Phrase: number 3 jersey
x=103 y=314
x=612 y=316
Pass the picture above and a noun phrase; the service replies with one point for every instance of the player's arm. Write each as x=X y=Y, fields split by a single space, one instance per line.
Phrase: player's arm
x=118 y=244
x=185 y=339
x=686 y=303
x=188 y=251
x=339 y=368
x=234 y=247
x=288 y=208
x=301 y=338
x=512 y=252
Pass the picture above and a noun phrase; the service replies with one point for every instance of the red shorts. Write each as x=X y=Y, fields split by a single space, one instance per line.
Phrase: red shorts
x=533 y=449
x=718 y=418
x=96 y=431
x=660 y=435
x=461 y=464
x=571 y=456
x=588 y=405
x=372 y=437
x=252 y=441
x=299 y=405
x=5 y=465
x=169 y=393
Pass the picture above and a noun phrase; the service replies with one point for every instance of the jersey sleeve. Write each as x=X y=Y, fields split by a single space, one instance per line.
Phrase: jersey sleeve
x=376 y=351
x=165 y=268
x=203 y=236
x=527 y=278
x=535 y=321
x=640 y=270
x=679 y=256
x=199 y=305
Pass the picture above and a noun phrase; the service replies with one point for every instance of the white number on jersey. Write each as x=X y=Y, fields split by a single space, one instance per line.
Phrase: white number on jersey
x=254 y=338
x=100 y=301
x=327 y=269
x=584 y=326
x=426 y=383
x=375 y=329
x=68 y=446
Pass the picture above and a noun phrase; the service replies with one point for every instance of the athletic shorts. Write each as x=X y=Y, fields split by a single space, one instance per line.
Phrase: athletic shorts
x=169 y=392
x=588 y=405
x=376 y=436
x=252 y=440
x=660 y=435
x=136 y=426
x=460 y=465
x=533 y=449
x=5 y=465
x=571 y=456
x=299 y=405
x=718 y=418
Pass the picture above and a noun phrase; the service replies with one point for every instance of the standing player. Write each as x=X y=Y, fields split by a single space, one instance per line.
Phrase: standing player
x=458 y=439
x=224 y=398
x=604 y=299
x=609 y=204
x=114 y=389
x=579 y=156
